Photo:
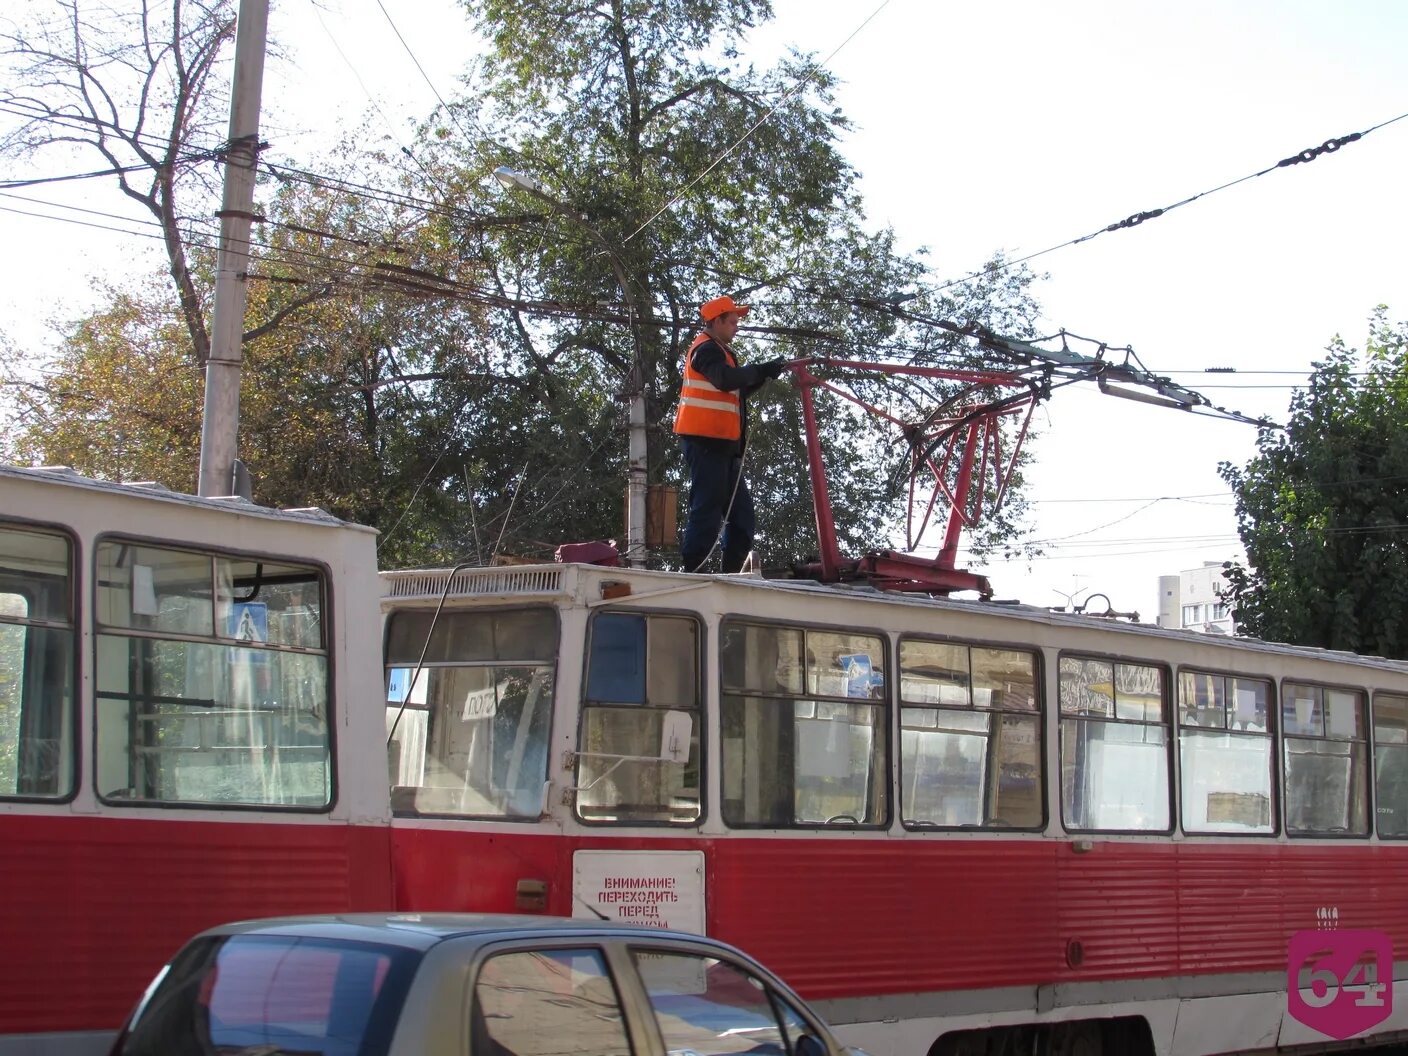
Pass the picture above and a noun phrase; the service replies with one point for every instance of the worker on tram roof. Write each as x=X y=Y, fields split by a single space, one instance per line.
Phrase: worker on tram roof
x=712 y=422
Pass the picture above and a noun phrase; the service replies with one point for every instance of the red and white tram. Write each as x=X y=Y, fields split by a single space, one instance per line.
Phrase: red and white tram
x=187 y=735
x=958 y=827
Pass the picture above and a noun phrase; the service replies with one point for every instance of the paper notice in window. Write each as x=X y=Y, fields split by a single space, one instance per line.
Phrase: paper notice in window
x=1342 y=716
x=860 y=675
x=1305 y=715
x=1246 y=708
x=143 y=591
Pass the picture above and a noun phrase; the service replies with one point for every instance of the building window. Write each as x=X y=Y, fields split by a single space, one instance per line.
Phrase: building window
x=640 y=668
x=1114 y=746
x=469 y=734
x=803 y=716
x=970 y=736
x=36 y=664
x=212 y=679
x=1226 y=754
x=1192 y=614
x=1325 y=760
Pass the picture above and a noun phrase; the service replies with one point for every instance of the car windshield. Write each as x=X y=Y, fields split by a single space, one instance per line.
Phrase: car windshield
x=272 y=994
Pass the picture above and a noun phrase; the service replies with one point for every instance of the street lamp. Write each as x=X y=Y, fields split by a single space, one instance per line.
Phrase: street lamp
x=513 y=180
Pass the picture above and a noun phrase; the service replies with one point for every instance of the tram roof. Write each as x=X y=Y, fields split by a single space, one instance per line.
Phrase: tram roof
x=64 y=476
x=583 y=584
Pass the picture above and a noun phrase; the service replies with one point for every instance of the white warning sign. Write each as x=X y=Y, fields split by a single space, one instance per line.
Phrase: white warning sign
x=659 y=889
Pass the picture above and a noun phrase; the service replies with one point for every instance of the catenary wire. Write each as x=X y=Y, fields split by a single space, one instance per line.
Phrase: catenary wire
x=1309 y=154
x=852 y=300
x=1303 y=156
x=150 y=140
x=366 y=191
x=449 y=288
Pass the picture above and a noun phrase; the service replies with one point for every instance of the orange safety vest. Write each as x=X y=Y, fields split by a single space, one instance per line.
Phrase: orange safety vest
x=705 y=410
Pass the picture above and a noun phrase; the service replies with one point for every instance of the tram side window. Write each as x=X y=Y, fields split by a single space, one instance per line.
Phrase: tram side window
x=212 y=679
x=640 y=668
x=470 y=736
x=970 y=736
x=1391 y=764
x=1326 y=760
x=803 y=721
x=1226 y=756
x=36 y=664
x=1114 y=746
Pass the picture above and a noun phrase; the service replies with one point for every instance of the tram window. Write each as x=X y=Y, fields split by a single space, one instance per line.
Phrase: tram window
x=970 y=736
x=1114 y=746
x=1391 y=764
x=1226 y=753
x=470 y=737
x=36 y=664
x=795 y=756
x=211 y=680
x=1325 y=760
x=640 y=667
x=473 y=637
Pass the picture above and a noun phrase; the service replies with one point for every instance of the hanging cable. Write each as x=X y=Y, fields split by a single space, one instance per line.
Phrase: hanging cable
x=1309 y=154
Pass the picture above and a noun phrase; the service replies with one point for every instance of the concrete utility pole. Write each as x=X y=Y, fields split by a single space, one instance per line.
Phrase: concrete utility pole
x=637 y=450
x=220 y=427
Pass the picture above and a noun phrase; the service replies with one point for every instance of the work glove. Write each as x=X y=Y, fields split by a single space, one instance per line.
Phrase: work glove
x=772 y=368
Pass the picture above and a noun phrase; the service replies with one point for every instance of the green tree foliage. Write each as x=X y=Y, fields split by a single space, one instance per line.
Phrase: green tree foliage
x=450 y=362
x=369 y=389
x=1321 y=508
x=671 y=171
x=120 y=399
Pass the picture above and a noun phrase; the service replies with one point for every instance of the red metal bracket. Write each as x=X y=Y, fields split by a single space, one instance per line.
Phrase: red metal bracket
x=959 y=442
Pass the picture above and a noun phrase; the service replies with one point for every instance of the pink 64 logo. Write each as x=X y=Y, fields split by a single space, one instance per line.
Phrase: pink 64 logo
x=1343 y=995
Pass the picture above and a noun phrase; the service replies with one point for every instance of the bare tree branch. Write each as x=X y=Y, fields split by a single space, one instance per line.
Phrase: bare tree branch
x=708 y=84
x=133 y=87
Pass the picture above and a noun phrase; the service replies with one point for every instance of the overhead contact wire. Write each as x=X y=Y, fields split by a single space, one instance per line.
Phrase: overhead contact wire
x=1134 y=220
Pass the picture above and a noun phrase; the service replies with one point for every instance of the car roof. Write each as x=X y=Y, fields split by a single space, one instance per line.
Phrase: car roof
x=420 y=931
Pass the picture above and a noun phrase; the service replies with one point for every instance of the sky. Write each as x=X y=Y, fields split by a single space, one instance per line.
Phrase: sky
x=1012 y=126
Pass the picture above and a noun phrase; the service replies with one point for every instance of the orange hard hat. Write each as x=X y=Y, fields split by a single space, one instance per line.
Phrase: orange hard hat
x=711 y=310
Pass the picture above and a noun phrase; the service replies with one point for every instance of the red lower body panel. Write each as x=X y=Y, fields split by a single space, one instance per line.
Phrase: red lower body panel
x=841 y=917
x=91 y=907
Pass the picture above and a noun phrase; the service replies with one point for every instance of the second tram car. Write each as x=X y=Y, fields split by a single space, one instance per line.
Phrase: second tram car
x=959 y=827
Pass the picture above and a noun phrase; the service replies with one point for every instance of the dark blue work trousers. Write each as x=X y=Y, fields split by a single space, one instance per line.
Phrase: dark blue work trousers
x=712 y=476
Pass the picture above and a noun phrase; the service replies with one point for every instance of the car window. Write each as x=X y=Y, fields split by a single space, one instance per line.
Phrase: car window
x=792 y=1021
x=546 y=1003
x=274 y=993
x=708 y=1007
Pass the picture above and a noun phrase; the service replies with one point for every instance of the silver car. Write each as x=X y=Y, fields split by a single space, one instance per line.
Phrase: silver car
x=398 y=984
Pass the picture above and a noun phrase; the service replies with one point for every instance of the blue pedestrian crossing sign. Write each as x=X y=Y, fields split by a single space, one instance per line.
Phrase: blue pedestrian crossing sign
x=248 y=621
